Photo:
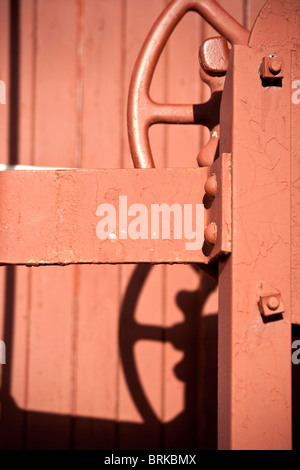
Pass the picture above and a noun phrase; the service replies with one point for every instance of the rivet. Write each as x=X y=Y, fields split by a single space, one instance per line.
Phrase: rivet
x=210 y=186
x=210 y=233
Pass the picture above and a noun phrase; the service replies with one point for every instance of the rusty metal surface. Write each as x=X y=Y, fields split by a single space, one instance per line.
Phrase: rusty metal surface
x=214 y=55
x=295 y=200
x=271 y=68
x=59 y=225
x=219 y=207
x=266 y=27
x=255 y=356
x=142 y=110
x=87 y=403
x=255 y=352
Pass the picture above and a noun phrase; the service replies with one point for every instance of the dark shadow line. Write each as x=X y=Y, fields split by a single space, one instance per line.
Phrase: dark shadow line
x=14 y=81
x=9 y=304
x=126 y=340
x=10 y=271
x=13 y=142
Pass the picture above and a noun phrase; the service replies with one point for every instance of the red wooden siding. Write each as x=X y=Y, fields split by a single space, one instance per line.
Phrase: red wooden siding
x=70 y=381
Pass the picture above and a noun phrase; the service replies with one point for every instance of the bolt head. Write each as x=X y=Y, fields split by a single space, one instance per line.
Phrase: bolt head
x=275 y=66
x=210 y=186
x=273 y=303
x=210 y=233
x=271 y=68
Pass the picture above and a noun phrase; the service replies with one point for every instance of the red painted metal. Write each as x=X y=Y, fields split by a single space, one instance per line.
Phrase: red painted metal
x=271 y=306
x=295 y=192
x=214 y=55
x=142 y=110
x=273 y=39
x=254 y=387
x=59 y=226
x=211 y=186
x=213 y=58
x=219 y=221
x=271 y=68
x=251 y=195
x=235 y=411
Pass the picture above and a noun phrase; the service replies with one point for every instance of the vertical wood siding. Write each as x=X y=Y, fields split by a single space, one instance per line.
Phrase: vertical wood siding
x=70 y=332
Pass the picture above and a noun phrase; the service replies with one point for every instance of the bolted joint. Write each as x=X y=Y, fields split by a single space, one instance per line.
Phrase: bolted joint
x=210 y=233
x=271 y=68
x=275 y=66
x=210 y=186
x=271 y=306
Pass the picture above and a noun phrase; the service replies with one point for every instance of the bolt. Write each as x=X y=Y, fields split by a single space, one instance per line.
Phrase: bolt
x=273 y=303
x=210 y=233
x=210 y=186
x=275 y=66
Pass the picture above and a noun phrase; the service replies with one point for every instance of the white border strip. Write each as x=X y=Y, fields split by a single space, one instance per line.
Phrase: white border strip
x=29 y=167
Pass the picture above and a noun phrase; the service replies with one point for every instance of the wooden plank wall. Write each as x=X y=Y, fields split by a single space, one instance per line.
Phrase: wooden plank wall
x=80 y=370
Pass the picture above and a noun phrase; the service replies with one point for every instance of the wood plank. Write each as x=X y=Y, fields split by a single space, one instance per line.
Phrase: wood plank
x=137 y=429
x=13 y=280
x=22 y=295
x=55 y=83
x=181 y=283
x=4 y=156
x=96 y=396
x=52 y=323
x=4 y=76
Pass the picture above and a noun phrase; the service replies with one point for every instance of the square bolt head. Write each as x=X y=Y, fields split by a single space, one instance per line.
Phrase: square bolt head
x=271 y=68
x=271 y=305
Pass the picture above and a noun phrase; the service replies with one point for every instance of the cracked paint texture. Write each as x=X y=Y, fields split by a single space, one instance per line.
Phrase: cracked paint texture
x=255 y=356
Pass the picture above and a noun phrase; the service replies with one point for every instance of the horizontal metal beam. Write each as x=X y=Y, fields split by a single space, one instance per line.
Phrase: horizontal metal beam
x=59 y=216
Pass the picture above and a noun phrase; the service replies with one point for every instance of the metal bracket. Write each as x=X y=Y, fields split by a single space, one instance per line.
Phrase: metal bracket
x=217 y=200
x=271 y=306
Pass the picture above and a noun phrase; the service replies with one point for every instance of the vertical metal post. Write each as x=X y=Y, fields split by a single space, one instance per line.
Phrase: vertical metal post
x=254 y=393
